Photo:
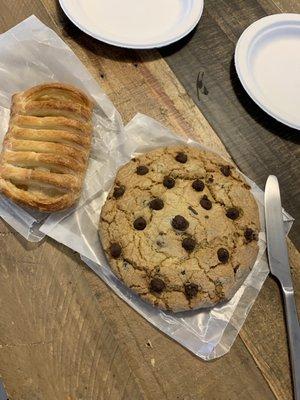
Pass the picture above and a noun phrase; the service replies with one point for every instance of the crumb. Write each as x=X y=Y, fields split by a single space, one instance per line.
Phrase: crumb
x=149 y=344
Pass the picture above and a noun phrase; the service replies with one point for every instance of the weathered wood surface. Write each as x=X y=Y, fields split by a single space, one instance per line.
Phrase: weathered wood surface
x=64 y=334
x=258 y=143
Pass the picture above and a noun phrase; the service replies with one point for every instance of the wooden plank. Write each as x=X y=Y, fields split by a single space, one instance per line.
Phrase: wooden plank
x=287 y=6
x=259 y=144
x=77 y=350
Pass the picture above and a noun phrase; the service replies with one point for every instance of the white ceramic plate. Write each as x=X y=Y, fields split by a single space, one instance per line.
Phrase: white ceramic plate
x=267 y=60
x=138 y=24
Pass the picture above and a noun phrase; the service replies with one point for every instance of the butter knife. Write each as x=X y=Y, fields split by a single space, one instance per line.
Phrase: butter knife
x=279 y=266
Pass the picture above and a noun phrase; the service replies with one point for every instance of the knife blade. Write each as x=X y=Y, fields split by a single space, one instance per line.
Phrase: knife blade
x=276 y=243
x=279 y=266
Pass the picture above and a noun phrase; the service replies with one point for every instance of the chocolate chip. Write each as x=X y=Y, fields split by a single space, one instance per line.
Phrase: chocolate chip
x=225 y=169
x=168 y=182
x=140 y=224
x=181 y=157
x=182 y=272
x=142 y=170
x=156 y=204
x=198 y=185
x=232 y=213
x=206 y=203
x=188 y=244
x=119 y=191
x=223 y=255
x=180 y=223
x=191 y=290
x=192 y=209
x=157 y=285
x=249 y=234
x=115 y=250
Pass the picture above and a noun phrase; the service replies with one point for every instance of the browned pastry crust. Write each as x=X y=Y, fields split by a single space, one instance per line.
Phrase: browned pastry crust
x=46 y=148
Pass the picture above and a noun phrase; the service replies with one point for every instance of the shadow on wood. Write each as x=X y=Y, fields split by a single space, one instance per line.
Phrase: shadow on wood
x=177 y=46
x=100 y=48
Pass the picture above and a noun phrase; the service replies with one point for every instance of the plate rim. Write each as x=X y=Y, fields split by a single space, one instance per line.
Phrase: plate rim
x=240 y=57
x=130 y=45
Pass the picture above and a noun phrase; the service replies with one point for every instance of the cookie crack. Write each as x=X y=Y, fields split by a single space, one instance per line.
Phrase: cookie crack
x=219 y=296
x=135 y=266
x=214 y=197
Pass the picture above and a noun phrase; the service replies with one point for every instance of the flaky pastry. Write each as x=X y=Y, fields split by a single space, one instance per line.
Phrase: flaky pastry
x=46 y=148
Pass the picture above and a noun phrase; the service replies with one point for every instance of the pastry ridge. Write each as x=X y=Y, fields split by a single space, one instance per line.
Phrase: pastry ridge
x=46 y=148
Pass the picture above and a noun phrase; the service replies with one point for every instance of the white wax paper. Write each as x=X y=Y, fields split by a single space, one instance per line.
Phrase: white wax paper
x=209 y=333
x=30 y=54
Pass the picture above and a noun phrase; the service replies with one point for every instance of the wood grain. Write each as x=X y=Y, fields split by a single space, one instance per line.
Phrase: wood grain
x=258 y=143
x=64 y=334
x=51 y=334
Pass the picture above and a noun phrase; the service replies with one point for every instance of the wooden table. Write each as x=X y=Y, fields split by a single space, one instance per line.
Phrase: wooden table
x=64 y=335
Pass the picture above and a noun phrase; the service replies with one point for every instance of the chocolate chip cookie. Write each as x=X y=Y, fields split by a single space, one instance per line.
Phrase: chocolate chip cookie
x=180 y=228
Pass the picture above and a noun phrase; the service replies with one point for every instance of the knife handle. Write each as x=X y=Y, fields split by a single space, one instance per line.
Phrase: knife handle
x=293 y=328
